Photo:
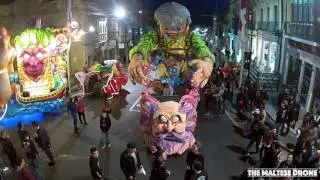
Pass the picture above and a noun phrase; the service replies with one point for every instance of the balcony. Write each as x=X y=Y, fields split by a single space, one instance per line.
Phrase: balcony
x=271 y=26
x=301 y=30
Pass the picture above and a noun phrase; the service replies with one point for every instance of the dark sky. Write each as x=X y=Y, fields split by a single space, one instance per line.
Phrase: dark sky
x=196 y=8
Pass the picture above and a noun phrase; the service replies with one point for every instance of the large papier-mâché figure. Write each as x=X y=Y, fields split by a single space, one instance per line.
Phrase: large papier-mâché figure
x=7 y=55
x=175 y=50
x=169 y=125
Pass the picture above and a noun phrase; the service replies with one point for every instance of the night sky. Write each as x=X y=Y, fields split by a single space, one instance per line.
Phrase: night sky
x=196 y=8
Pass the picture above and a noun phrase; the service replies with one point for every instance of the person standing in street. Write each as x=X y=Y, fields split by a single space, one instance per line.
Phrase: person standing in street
x=95 y=169
x=21 y=131
x=130 y=161
x=81 y=108
x=282 y=116
x=198 y=171
x=193 y=154
x=250 y=163
x=257 y=132
x=72 y=108
x=9 y=149
x=105 y=124
x=267 y=140
x=24 y=171
x=43 y=140
x=159 y=170
x=32 y=153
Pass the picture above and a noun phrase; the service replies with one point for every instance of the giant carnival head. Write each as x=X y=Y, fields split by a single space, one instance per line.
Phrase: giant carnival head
x=171 y=124
x=173 y=20
x=33 y=52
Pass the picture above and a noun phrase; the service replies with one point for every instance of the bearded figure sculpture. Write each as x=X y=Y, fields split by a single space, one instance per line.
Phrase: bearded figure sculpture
x=169 y=125
x=175 y=54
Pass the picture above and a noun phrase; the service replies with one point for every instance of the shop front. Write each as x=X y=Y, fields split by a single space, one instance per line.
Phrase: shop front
x=302 y=72
x=264 y=68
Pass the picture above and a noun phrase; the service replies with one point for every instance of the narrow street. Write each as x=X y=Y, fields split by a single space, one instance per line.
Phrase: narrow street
x=222 y=145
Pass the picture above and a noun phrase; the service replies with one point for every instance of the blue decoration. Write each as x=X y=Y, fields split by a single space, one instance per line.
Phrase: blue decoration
x=14 y=78
x=29 y=112
x=15 y=107
x=174 y=82
x=11 y=122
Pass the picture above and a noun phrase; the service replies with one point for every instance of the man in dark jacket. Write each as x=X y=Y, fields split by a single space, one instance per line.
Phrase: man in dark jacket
x=9 y=149
x=43 y=140
x=95 y=169
x=271 y=158
x=105 y=124
x=282 y=116
x=198 y=171
x=193 y=155
x=250 y=163
x=287 y=163
x=130 y=161
x=257 y=131
x=268 y=138
x=159 y=170
x=73 y=109
x=32 y=153
x=21 y=131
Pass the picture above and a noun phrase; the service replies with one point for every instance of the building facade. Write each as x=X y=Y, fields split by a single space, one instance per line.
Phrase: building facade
x=301 y=60
x=284 y=41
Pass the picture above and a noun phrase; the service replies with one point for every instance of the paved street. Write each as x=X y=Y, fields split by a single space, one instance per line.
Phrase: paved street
x=222 y=145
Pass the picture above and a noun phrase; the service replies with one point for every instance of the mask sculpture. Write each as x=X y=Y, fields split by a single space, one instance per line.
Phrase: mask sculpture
x=169 y=125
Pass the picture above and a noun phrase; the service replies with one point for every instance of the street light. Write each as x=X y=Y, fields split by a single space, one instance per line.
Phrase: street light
x=120 y=13
x=140 y=11
x=91 y=29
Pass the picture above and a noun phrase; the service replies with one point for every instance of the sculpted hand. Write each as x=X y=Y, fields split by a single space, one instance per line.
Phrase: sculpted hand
x=136 y=69
x=6 y=52
x=204 y=70
x=6 y=55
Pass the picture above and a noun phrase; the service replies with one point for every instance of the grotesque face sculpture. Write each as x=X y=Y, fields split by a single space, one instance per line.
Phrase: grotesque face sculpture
x=34 y=61
x=33 y=46
x=168 y=119
x=171 y=124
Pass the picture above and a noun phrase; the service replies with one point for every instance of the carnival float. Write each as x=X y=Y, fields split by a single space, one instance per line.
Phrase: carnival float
x=170 y=59
x=103 y=80
x=36 y=86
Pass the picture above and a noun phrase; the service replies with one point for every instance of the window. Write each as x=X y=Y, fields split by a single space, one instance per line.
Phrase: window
x=300 y=10
x=293 y=12
x=306 y=83
x=268 y=14
x=310 y=7
x=275 y=13
x=294 y=68
x=261 y=15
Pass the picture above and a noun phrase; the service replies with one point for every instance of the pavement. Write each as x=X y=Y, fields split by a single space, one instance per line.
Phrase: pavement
x=222 y=143
x=284 y=141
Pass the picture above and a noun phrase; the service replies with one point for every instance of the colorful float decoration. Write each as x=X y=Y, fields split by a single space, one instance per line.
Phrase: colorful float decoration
x=107 y=79
x=169 y=125
x=40 y=80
